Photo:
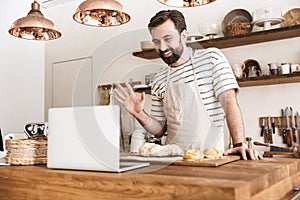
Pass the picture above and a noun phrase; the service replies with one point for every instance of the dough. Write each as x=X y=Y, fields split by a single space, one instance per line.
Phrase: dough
x=156 y=150
x=193 y=155
x=197 y=155
x=212 y=153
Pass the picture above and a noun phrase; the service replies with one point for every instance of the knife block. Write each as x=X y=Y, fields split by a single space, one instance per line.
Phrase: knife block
x=278 y=123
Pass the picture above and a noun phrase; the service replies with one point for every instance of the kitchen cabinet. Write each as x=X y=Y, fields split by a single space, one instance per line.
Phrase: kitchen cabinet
x=72 y=83
x=240 y=40
x=270 y=178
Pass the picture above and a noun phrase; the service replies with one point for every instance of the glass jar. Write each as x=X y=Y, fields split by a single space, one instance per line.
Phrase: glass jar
x=105 y=94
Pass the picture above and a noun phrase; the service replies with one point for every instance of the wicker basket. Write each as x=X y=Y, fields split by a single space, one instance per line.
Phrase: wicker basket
x=238 y=29
x=26 y=151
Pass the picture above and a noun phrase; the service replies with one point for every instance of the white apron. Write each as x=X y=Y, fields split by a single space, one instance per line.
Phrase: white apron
x=188 y=123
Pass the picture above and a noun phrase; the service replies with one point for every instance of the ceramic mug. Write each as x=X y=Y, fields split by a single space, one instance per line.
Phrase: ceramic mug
x=273 y=68
x=238 y=70
x=253 y=72
x=285 y=68
x=295 y=68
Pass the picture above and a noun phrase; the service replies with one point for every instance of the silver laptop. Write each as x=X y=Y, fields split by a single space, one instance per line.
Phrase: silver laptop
x=86 y=138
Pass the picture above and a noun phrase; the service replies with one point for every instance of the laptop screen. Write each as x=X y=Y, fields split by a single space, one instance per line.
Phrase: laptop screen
x=84 y=137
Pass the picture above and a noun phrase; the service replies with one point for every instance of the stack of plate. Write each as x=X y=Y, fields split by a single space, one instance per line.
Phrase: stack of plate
x=210 y=28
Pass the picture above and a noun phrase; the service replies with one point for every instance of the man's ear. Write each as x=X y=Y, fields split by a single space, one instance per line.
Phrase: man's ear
x=184 y=34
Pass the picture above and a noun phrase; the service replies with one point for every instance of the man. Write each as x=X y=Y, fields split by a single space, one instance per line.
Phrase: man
x=192 y=95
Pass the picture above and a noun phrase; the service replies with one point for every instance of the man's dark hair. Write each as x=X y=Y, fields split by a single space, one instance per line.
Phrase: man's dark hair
x=162 y=16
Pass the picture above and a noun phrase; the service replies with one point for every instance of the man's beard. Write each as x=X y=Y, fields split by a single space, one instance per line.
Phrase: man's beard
x=176 y=54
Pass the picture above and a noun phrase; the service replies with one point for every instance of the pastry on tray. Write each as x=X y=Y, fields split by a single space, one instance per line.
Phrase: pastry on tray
x=212 y=153
x=197 y=155
x=193 y=155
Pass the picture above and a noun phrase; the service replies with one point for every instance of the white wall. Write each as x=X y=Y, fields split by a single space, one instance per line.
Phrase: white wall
x=111 y=49
x=21 y=72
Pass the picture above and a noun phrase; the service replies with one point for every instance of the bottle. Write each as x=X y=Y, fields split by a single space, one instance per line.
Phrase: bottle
x=105 y=96
x=137 y=140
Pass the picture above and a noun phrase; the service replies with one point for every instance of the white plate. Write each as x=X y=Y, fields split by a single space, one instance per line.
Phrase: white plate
x=142 y=86
x=193 y=38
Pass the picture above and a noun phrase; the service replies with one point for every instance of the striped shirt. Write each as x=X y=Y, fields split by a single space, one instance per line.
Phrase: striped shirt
x=214 y=76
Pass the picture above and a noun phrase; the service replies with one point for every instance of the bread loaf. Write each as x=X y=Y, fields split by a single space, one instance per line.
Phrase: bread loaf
x=156 y=150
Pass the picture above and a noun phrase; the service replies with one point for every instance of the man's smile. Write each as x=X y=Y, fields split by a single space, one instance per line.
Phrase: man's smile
x=167 y=53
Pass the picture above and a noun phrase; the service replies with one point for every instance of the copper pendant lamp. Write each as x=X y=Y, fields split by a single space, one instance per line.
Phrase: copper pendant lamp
x=186 y=3
x=34 y=26
x=102 y=13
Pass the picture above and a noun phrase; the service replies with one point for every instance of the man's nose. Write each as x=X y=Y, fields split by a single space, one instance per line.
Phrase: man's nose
x=163 y=46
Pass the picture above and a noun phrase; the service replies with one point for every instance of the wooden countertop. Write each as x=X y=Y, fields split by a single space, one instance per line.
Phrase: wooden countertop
x=271 y=178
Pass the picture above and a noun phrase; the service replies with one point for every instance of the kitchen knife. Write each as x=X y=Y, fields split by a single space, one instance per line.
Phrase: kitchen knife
x=283 y=130
x=293 y=125
x=262 y=127
x=270 y=130
x=279 y=125
x=273 y=148
x=273 y=125
x=266 y=132
x=298 y=125
x=1 y=142
x=288 y=128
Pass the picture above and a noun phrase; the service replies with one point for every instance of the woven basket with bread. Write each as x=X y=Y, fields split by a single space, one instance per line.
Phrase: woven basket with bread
x=238 y=29
x=26 y=151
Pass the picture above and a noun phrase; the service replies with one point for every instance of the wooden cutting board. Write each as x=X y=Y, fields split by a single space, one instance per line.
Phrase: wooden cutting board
x=178 y=160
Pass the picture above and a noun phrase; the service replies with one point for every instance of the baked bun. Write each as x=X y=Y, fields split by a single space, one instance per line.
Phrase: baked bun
x=212 y=153
x=193 y=155
x=156 y=150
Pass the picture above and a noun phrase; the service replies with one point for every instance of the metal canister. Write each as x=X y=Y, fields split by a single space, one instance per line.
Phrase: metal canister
x=147 y=79
x=273 y=68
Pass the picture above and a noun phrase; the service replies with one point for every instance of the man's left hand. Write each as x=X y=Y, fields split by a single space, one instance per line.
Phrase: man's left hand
x=245 y=152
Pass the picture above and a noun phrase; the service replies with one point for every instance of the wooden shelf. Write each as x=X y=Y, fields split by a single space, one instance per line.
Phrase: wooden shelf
x=269 y=80
x=234 y=41
x=255 y=81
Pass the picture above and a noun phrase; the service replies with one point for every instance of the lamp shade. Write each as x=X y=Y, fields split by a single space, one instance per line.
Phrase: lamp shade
x=101 y=13
x=34 y=26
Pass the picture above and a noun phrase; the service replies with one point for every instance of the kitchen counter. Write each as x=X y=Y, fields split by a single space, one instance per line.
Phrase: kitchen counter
x=271 y=178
